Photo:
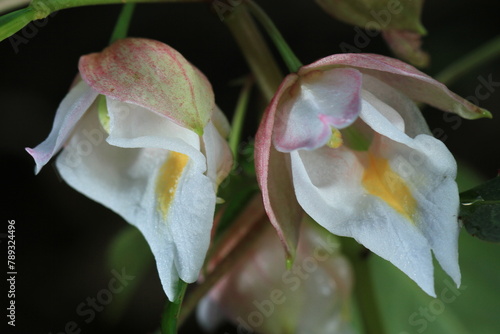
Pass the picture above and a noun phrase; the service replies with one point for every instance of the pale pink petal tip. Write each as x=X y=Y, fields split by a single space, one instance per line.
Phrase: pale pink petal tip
x=323 y=100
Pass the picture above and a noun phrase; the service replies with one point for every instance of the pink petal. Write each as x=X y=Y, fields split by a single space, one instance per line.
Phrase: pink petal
x=413 y=83
x=316 y=103
x=154 y=76
x=275 y=179
x=71 y=109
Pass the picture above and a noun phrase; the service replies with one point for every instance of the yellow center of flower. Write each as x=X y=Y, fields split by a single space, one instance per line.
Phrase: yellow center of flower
x=168 y=180
x=380 y=180
x=335 y=140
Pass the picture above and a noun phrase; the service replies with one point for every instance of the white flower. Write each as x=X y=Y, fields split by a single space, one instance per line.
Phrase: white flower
x=154 y=164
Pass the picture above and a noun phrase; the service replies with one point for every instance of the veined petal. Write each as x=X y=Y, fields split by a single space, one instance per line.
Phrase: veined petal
x=71 y=109
x=136 y=184
x=152 y=75
x=317 y=102
x=403 y=77
x=329 y=186
x=274 y=177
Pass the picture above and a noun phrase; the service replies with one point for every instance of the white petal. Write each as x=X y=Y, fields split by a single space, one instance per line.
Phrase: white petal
x=218 y=154
x=429 y=169
x=124 y=180
x=328 y=186
x=413 y=119
x=69 y=112
x=134 y=126
x=221 y=123
x=325 y=100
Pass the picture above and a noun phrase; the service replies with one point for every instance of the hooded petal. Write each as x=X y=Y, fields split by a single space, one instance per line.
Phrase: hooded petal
x=331 y=186
x=317 y=102
x=274 y=177
x=164 y=193
x=403 y=77
x=152 y=75
x=71 y=109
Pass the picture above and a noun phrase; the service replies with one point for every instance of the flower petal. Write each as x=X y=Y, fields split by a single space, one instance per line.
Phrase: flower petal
x=152 y=75
x=274 y=177
x=403 y=77
x=71 y=109
x=218 y=154
x=132 y=126
x=326 y=179
x=129 y=181
x=414 y=122
x=317 y=102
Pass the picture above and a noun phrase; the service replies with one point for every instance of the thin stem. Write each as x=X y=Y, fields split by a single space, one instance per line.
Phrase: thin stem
x=123 y=23
x=170 y=319
x=239 y=117
x=255 y=51
x=470 y=61
x=291 y=61
x=364 y=293
x=40 y=9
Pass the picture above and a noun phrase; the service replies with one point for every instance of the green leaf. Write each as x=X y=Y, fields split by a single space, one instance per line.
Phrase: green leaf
x=377 y=14
x=128 y=250
x=480 y=210
x=15 y=21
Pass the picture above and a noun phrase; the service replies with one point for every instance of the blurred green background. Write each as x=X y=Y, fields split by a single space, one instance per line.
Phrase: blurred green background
x=63 y=238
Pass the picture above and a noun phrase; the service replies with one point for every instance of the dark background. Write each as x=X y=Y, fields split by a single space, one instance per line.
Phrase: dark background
x=62 y=237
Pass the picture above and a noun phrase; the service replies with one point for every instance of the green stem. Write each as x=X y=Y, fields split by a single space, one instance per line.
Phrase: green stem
x=255 y=51
x=239 y=117
x=40 y=9
x=123 y=23
x=170 y=320
x=470 y=61
x=291 y=61
x=363 y=291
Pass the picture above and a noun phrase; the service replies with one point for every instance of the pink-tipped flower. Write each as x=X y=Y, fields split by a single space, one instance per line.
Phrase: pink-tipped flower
x=260 y=296
x=152 y=148
x=343 y=140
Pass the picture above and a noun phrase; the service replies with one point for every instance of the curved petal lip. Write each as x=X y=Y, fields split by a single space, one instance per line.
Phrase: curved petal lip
x=412 y=82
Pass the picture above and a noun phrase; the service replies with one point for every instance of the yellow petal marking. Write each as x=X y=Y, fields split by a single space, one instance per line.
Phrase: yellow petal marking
x=335 y=140
x=380 y=180
x=168 y=179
